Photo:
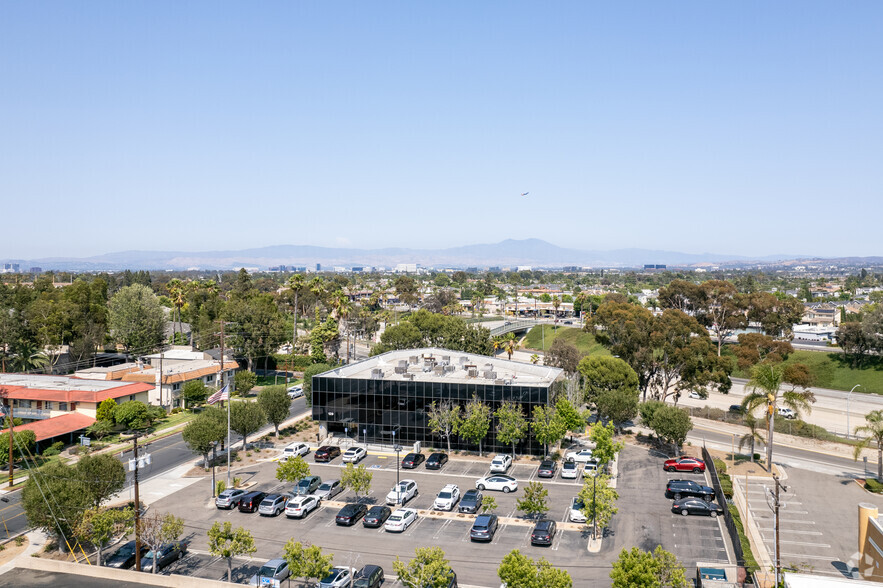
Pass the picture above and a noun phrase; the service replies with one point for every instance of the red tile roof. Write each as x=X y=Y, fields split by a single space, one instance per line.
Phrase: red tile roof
x=59 y=425
x=56 y=395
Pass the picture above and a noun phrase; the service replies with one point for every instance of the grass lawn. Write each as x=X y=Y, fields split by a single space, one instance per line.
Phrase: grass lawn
x=275 y=380
x=833 y=370
x=582 y=340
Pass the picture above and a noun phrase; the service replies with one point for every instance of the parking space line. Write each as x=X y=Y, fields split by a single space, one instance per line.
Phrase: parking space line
x=556 y=541
x=496 y=539
x=803 y=543
x=442 y=528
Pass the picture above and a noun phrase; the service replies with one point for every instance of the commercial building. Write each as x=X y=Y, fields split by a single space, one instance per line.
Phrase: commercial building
x=386 y=399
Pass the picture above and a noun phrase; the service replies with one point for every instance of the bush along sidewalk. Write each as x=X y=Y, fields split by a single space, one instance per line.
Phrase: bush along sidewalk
x=751 y=564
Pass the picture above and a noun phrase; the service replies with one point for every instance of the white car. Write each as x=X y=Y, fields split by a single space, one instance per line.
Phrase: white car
x=294 y=450
x=787 y=413
x=354 y=454
x=405 y=491
x=501 y=464
x=569 y=470
x=582 y=456
x=296 y=391
x=448 y=498
x=336 y=578
x=400 y=520
x=576 y=513
x=696 y=395
x=591 y=469
x=300 y=506
x=497 y=482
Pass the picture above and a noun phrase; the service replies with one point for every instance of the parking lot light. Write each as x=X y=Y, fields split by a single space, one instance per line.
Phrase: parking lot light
x=398 y=449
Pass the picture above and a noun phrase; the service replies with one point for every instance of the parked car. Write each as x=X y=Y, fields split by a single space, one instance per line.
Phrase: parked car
x=570 y=470
x=336 y=578
x=300 y=506
x=329 y=489
x=590 y=470
x=737 y=409
x=436 y=460
x=400 y=519
x=497 y=482
x=251 y=501
x=543 y=532
x=483 y=528
x=229 y=498
x=412 y=460
x=576 y=511
x=326 y=453
x=275 y=569
x=273 y=504
x=294 y=450
x=581 y=456
x=370 y=576
x=355 y=454
x=296 y=391
x=678 y=489
x=168 y=553
x=350 y=514
x=697 y=506
x=307 y=485
x=696 y=395
x=402 y=493
x=471 y=501
x=787 y=413
x=376 y=516
x=124 y=557
x=547 y=469
x=447 y=498
x=501 y=464
x=684 y=463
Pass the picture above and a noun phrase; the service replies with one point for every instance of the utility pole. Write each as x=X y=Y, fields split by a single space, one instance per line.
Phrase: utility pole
x=11 y=435
x=775 y=504
x=228 y=404
x=137 y=508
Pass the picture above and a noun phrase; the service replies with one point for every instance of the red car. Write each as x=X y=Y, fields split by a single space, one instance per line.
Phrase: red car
x=684 y=464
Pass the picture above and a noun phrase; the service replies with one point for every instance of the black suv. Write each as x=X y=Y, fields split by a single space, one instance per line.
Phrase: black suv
x=471 y=501
x=678 y=489
x=543 y=533
x=251 y=501
x=436 y=461
x=412 y=460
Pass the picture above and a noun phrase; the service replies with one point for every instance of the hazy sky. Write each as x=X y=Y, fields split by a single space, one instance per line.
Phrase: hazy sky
x=738 y=128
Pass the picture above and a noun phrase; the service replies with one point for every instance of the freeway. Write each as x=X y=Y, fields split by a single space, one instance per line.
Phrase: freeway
x=166 y=453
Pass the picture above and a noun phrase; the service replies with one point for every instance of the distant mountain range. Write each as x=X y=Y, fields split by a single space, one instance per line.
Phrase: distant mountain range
x=511 y=252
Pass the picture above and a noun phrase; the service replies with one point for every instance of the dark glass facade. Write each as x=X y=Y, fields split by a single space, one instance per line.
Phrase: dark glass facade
x=395 y=411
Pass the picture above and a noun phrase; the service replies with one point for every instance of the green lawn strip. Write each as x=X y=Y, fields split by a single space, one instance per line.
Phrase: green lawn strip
x=834 y=371
x=750 y=563
x=582 y=340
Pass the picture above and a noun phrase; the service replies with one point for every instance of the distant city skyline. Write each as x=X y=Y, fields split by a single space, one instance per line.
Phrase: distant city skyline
x=749 y=129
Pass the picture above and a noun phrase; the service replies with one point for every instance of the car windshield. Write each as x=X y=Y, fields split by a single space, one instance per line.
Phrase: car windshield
x=570 y=465
x=268 y=571
x=126 y=550
x=325 y=486
x=403 y=487
x=577 y=504
x=395 y=518
x=444 y=495
x=332 y=576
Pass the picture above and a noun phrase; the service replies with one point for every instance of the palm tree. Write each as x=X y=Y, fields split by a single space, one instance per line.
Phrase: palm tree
x=317 y=287
x=27 y=356
x=766 y=379
x=874 y=430
x=175 y=288
x=753 y=434
x=534 y=359
x=510 y=345
x=556 y=303
x=296 y=283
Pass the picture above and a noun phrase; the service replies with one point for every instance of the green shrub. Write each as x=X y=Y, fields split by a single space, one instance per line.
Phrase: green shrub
x=720 y=466
x=801 y=428
x=873 y=485
x=50 y=452
x=176 y=410
x=750 y=563
x=220 y=486
x=20 y=540
x=727 y=486
x=58 y=445
x=237 y=482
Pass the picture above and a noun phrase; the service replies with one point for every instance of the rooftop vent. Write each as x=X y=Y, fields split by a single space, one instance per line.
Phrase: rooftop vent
x=464 y=360
x=490 y=375
x=473 y=373
x=446 y=359
x=499 y=382
x=403 y=363
x=413 y=359
x=449 y=368
x=408 y=376
x=439 y=370
x=376 y=374
x=401 y=369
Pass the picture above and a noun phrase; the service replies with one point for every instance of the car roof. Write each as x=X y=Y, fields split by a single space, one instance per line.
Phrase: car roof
x=546 y=462
x=437 y=454
x=276 y=561
x=503 y=476
x=484 y=517
x=544 y=524
x=408 y=481
x=379 y=507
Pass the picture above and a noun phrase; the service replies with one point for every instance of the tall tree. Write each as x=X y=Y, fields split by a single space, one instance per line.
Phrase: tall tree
x=246 y=418
x=603 y=373
x=511 y=424
x=69 y=501
x=202 y=433
x=444 y=419
x=752 y=436
x=429 y=569
x=722 y=309
x=357 y=479
x=548 y=426
x=226 y=542
x=535 y=501
x=476 y=422
x=873 y=431
x=99 y=526
x=636 y=568
x=136 y=319
x=306 y=561
x=671 y=424
x=777 y=316
x=157 y=530
x=259 y=325
x=519 y=570
x=102 y=476
x=292 y=469
x=599 y=501
x=764 y=390
x=605 y=447
x=276 y=404
x=296 y=283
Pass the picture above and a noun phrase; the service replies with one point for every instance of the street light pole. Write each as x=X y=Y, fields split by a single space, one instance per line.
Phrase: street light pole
x=594 y=513
x=398 y=449
x=847 y=409
x=214 y=484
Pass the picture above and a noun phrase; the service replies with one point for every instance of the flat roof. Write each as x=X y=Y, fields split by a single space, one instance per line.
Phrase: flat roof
x=55 y=426
x=433 y=364
x=66 y=383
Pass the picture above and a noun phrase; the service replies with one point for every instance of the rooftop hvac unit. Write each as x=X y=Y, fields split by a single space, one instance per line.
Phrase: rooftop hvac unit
x=489 y=375
x=427 y=367
x=464 y=360
x=403 y=363
x=377 y=374
x=413 y=359
x=439 y=370
x=473 y=373
x=401 y=369
x=449 y=368
x=446 y=358
x=499 y=382
x=408 y=376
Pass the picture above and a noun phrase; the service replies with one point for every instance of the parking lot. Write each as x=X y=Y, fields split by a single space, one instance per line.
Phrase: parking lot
x=644 y=513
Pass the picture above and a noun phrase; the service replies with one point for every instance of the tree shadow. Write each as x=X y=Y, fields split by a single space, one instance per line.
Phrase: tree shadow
x=845 y=569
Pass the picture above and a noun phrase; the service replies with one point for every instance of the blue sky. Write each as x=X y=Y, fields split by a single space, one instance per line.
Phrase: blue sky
x=745 y=128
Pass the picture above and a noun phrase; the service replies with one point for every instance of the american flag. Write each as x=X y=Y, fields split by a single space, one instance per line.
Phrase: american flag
x=220 y=395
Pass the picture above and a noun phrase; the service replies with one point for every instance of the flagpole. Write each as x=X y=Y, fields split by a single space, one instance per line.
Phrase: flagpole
x=228 y=404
